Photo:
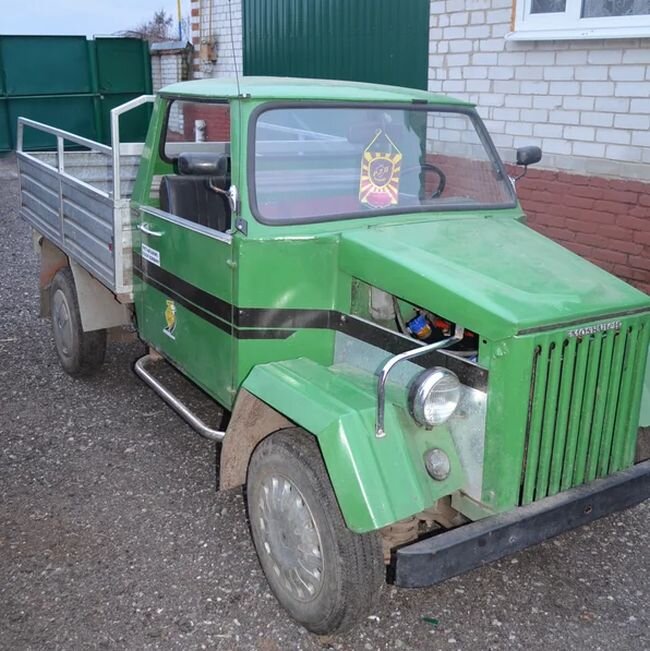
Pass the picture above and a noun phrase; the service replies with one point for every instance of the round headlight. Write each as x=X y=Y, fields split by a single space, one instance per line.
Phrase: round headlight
x=434 y=396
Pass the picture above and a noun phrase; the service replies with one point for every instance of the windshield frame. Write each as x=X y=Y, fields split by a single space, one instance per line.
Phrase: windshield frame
x=416 y=105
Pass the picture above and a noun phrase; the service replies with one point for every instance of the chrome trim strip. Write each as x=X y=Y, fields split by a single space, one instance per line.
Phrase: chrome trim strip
x=186 y=223
x=388 y=366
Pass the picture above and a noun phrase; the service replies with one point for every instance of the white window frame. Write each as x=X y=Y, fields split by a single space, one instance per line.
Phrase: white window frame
x=569 y=25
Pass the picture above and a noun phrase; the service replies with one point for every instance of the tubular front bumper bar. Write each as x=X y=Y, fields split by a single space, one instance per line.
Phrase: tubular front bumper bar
x=456 y=551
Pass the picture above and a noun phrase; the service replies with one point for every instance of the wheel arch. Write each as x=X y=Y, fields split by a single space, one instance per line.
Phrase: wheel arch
x=376 y=481
x=98 y=307
x=251 y=422
x=52 y=260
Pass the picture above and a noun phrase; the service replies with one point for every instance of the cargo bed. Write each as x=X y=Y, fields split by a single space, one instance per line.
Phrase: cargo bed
x=80 y=199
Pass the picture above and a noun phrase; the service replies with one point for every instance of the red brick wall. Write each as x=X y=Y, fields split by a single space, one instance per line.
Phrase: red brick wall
x=217 y=121
x=606 y=221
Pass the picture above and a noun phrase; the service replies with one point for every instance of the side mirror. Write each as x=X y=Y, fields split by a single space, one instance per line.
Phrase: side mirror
x=528 y=155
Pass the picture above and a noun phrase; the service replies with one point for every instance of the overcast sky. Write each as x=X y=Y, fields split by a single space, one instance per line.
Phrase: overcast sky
x=88 y=17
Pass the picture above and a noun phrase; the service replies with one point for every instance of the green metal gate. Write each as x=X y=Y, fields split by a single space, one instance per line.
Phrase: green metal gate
x=381 y=41
x=71 y=83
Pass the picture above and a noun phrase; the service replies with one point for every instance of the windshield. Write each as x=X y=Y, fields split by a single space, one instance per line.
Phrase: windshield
x=321 y=163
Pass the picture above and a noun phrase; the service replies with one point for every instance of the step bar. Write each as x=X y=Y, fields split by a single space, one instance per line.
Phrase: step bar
x=177 y=405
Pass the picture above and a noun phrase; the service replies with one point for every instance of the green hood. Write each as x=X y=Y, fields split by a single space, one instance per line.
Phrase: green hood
x=494 y=276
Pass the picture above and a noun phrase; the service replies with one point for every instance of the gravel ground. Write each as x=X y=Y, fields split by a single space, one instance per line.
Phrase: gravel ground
x=112 y=534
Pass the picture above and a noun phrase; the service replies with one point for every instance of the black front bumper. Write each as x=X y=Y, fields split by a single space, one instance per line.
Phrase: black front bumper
x=456 y=551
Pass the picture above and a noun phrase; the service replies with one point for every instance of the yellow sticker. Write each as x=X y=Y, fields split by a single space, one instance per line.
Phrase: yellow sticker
x=380 y=172
x=170 y=319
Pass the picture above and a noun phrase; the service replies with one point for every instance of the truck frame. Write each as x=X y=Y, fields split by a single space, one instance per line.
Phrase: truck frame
x=417 y=382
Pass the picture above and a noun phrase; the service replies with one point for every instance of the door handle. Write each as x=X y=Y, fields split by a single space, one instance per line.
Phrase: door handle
x=144 y=227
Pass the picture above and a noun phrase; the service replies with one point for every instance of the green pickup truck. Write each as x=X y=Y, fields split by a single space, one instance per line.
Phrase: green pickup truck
x=417 y=382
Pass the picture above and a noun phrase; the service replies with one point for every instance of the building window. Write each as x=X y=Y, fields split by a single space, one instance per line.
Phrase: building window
x=578 y=19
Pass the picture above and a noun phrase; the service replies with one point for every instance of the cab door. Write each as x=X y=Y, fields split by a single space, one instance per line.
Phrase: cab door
x=184 y=263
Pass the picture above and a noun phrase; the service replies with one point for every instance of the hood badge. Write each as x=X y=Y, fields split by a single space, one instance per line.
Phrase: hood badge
x=593 y=329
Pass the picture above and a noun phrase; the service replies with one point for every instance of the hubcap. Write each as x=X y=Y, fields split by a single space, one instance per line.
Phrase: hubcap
x=290 y=538
x=61 y=321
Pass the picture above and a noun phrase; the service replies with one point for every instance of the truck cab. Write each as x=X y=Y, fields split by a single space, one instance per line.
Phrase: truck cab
x=415 y=377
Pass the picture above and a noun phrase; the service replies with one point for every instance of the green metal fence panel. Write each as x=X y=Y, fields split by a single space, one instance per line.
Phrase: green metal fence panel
x=71 y=83
x=5 y=133
x=3 y=91
x=379 y=41
x=73 y=113
x=133 y=125
x=123 y=65
x=45 y=65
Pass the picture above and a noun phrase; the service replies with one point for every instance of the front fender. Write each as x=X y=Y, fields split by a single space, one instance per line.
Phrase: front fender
x=376 y=481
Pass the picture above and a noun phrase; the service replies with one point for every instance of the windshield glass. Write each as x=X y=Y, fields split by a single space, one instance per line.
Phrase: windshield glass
x=320 y=163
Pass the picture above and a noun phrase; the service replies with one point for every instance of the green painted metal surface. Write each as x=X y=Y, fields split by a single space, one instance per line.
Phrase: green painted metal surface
x=71 y=83
x=644 y=418
x=301 y=89
x=582 y=410
x=560 y=411
x=477 y=275
x=45 y=65
x=377 y=481
x=5 y=131
x=123 y=65
x=366 y=40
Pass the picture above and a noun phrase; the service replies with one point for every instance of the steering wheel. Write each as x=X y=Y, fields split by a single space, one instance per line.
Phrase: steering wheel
x=423 y=167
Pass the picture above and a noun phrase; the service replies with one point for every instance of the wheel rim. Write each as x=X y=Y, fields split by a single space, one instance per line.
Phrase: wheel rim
x=290 y=538
x=61 y=322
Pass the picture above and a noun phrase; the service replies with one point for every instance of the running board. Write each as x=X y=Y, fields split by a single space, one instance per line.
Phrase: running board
x=179 y=407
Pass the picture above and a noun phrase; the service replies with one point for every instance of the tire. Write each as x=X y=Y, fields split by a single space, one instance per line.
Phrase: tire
x=290 y=503
x=80 y=353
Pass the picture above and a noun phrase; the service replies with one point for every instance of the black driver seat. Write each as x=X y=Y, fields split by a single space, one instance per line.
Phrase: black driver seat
x=189 y=195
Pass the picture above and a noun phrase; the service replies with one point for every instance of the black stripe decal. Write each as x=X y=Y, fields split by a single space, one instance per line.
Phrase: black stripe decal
x=199 y=297
x=211 y=318
x=273 y=323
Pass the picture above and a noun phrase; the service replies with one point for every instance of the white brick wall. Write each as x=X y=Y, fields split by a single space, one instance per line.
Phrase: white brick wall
x=216 y=29
x=167 y=69
x=586 y=103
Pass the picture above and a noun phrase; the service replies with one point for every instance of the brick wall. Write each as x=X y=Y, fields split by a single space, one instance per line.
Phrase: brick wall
x=169 y=66
x=586 y=103
x=603 y=220
x=214 y=32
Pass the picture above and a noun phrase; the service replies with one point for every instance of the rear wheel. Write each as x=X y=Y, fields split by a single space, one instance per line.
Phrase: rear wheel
x=325 y=575
x=80 y=353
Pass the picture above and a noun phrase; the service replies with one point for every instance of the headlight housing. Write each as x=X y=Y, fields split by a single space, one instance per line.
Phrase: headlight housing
x=434 y=396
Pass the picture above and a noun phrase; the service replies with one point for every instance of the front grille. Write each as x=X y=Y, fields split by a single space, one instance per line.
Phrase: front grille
x=581 y=423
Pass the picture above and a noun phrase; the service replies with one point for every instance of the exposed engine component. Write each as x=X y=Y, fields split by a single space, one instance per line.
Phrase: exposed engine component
x=429 y=328
x=381 y=305
x=420 y=327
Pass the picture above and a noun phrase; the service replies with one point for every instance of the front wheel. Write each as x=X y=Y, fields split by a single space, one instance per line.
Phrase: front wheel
x=325 y=575
x=80 y=353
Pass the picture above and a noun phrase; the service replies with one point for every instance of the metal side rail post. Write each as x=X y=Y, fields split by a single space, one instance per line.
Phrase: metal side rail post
x=190 y=418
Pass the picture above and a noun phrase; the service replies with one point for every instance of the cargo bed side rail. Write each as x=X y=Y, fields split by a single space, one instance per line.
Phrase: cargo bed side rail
x=115 y=136
x=79 y=201
x=61 y=136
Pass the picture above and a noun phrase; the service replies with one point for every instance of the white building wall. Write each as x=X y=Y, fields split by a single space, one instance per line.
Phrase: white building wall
x=168 y=68
x=213 y=37
x=585 y=102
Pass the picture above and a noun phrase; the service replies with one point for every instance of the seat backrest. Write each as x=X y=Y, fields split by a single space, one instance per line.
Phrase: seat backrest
x=191 y=198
